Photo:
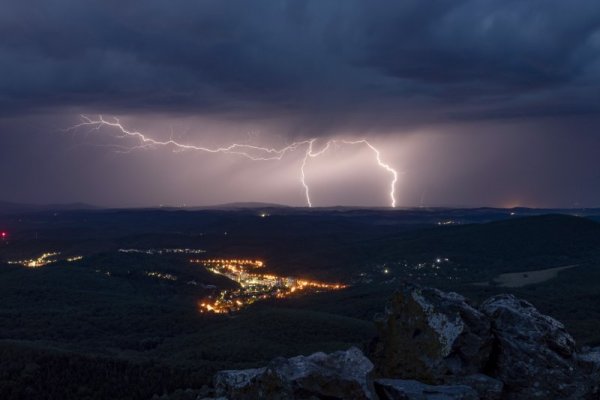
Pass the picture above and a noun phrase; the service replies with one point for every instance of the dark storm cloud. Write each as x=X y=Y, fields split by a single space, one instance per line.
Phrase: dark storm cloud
x=474 y=101
x=376 y=60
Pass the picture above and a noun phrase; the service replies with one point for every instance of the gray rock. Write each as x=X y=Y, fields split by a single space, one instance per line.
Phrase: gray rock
x=589 y=362
x=589 y=359
x=505 y=350
x=340 y=375
x=397 y=389
x=213 y=398
x=534 y=355
x=187 y=394
x=234 y=380
x=487 y=388
x=426 y=334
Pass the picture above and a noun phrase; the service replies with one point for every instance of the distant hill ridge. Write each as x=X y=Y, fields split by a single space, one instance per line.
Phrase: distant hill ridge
x=248 y=204
x=11 y=208
x=511 y=243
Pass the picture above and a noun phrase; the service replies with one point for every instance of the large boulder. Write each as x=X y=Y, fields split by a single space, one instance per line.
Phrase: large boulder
x=428 y=335
x=487 y=388
x=534 y=355
x=436 y=346
x=397 y=389
x=340 y=375
x=589 y=362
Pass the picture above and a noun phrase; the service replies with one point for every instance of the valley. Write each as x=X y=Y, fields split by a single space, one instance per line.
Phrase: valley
x=170 y=294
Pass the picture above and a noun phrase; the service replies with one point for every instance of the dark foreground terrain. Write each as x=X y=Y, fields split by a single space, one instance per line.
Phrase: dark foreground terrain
x=116 y=315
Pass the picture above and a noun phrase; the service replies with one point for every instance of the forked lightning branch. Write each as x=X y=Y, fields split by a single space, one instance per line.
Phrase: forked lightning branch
x=252 y=152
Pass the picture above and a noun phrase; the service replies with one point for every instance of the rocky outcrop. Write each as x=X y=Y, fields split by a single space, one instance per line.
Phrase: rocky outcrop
x=433 y=345
x=396 y=389
x=504 y=349
x=486 y=387
x=589 y=360
x=534 y=355
x=340 y=375
x=426 y=334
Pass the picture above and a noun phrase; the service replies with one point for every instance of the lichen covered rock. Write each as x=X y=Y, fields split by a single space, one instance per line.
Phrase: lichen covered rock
x=397 y=389
x=340 y=375
x=436 y=345
x=534 y=354
x=427 y=334
x=487 y=388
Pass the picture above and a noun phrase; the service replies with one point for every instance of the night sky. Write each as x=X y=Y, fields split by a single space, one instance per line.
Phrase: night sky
x=473 y=103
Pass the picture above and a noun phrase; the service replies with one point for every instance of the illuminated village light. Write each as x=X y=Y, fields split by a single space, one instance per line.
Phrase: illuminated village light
x=254 y=285
x=44 y=259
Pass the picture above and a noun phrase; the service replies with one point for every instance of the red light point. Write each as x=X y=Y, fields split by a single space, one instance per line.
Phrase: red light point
x=4 y=235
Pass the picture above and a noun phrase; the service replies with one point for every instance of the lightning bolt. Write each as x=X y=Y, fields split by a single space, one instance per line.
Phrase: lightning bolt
x=254 y=153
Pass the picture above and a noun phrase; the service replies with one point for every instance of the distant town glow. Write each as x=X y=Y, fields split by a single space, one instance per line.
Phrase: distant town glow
x=254 y=285
x=44 y=259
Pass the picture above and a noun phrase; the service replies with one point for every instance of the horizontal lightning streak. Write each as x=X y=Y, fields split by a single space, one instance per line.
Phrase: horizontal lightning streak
x=254 y=153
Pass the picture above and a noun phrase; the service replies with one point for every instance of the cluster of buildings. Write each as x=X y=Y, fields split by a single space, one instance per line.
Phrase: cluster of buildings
x=44 y=259
x=163 y=251
x=253 y=285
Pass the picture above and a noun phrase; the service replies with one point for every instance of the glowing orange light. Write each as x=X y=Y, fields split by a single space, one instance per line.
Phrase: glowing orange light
x=253 y=286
